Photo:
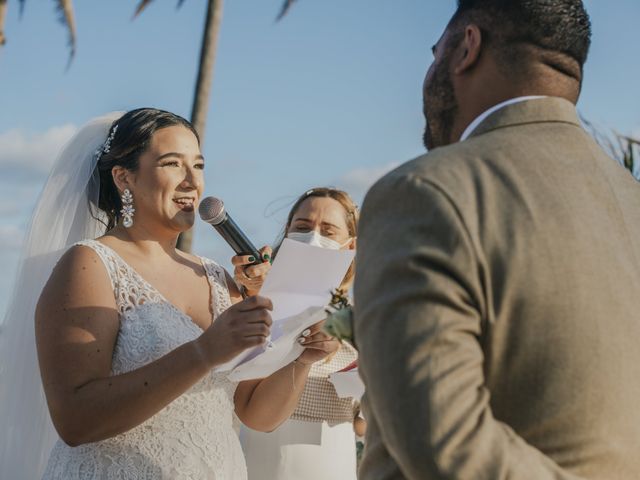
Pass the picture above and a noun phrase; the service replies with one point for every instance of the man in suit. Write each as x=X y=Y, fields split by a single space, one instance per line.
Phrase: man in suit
x=497 y=276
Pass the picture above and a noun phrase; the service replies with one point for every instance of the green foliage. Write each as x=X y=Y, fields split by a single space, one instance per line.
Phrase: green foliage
x=286 y=6
x=339 y=323
x=623 y=148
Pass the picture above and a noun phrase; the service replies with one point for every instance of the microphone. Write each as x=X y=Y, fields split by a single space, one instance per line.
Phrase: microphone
x=212 y=211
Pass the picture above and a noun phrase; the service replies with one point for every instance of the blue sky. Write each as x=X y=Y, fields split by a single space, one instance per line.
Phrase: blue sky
x=329 y=96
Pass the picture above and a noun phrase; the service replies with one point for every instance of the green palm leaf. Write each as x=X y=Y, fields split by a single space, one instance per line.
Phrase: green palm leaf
x=629 y=155
x=286 y=6
x=3 y=12
x=145 y=3
x=141 y=6
x=67 y=18
x=65 y=14
x=623 y=148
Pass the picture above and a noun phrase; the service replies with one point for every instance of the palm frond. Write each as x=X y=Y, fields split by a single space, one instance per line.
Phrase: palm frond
x=3 y=12
x=67 y=18
x=141 y=6
x=286 y=6
x=623 y=148
x=630 y=148
x=145 y=3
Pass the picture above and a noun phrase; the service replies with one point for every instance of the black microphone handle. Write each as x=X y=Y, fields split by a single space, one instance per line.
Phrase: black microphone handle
x=237 y=239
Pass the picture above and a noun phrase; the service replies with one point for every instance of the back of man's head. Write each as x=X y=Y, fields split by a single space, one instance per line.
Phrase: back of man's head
x=555 y=33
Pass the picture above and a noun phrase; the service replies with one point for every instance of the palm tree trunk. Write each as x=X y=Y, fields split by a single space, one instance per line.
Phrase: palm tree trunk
x=203 y=87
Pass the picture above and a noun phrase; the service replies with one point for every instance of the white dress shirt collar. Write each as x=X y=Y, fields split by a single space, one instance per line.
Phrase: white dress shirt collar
x=473 y=125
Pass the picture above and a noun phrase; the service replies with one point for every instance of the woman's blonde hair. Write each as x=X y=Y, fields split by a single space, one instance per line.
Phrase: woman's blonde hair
x=351 y=218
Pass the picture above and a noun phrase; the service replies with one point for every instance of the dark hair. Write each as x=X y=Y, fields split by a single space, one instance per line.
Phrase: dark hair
x=131 y=138
x=351 y=219
x=557 y=31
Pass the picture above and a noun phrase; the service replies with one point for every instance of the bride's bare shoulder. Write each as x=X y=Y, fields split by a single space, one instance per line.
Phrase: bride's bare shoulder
x=79 y=276
x=80 y=256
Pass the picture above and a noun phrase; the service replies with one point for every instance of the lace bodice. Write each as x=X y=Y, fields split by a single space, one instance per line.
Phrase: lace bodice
x=191 y=438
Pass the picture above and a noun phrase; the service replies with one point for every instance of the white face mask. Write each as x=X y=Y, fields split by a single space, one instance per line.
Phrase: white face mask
x=315 y=239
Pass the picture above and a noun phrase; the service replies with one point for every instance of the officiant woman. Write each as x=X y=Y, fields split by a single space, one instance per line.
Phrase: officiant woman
x=318 y=441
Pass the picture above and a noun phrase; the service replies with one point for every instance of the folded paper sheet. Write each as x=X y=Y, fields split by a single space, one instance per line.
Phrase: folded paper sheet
x=282 y=350
x=347 y=384
x=299 y=285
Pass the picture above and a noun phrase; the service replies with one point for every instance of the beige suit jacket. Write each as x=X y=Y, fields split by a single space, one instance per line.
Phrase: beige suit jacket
x=497 y=307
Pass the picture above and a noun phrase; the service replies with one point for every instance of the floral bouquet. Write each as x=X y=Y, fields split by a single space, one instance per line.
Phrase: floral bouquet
x=339 y=322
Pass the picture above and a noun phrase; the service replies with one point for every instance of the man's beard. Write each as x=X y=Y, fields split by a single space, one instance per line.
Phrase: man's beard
x=440 y=107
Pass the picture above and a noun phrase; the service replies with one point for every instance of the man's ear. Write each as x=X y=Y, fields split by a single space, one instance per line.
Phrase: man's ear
x=121 y=177
x=469 y=50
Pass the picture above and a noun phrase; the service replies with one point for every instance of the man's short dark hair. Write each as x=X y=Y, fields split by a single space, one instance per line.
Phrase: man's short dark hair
x=554 y=30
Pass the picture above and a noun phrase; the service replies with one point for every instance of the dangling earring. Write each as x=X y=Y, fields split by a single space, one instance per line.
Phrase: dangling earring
x=127 y=208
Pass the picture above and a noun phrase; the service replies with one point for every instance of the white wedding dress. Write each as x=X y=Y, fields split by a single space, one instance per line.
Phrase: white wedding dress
x=194 y=437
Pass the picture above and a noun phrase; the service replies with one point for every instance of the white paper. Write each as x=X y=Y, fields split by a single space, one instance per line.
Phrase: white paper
x=304 y=276
x=282 y=351
x=299 y=284
x=347 y=384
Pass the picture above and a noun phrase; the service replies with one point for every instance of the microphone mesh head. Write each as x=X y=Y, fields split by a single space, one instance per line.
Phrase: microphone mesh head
x=211 y=210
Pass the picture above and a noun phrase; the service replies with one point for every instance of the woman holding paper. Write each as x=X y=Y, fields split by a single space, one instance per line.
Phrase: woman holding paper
x=318 y=441
x=128 y=329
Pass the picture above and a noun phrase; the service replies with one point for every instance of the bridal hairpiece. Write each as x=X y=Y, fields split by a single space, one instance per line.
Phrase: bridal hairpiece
x=106 y=147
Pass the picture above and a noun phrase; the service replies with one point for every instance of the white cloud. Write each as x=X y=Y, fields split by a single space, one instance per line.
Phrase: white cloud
x=11 y=237
x=356 y=182
x=32 y=153
x=9 y=208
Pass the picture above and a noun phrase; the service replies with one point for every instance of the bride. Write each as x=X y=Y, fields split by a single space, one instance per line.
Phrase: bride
x=128 y=329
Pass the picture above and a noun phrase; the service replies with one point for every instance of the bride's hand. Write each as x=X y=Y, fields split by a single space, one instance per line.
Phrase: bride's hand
x=251 y=276
x=244 y=325
x=318 y=345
